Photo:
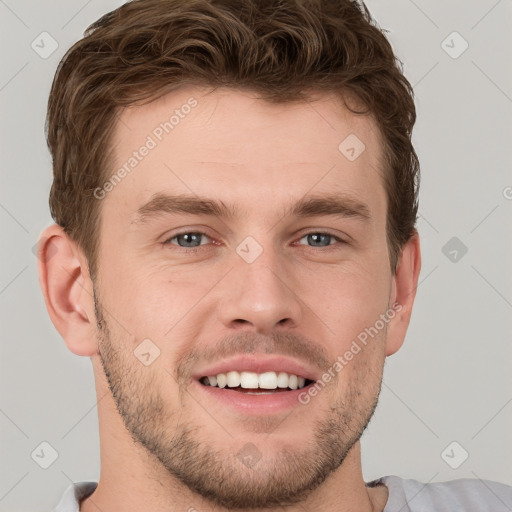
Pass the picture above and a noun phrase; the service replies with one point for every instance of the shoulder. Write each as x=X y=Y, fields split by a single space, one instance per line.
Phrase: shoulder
x=463 y=495
x=77 y=491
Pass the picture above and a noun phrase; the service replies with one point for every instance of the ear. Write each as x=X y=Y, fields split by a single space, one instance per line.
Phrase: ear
x=67 y=290
x=403 y=292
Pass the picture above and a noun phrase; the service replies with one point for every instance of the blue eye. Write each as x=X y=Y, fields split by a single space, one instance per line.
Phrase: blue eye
x=317 y=239
x=190 y=239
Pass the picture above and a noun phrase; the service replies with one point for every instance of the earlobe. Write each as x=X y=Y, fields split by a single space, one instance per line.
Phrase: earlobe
x=67 y=290
x=403 y=292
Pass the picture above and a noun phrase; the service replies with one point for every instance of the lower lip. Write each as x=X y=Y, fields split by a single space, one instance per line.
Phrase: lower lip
x=254 y=404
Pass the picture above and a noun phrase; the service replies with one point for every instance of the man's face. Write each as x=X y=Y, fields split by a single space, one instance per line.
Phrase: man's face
x=261 y=290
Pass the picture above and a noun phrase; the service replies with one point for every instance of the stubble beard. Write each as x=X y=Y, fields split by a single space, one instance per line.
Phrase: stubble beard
x=188 y=451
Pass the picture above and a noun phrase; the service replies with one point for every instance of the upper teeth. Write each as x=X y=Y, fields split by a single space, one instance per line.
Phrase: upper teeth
x=252 y=380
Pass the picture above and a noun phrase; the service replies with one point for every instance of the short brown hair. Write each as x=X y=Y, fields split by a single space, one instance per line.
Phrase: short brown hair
x=279 y=49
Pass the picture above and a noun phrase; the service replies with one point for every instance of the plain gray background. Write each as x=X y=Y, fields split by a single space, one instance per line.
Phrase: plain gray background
x=450 y=382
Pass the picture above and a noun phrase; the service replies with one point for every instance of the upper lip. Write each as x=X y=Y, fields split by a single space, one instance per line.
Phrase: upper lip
x=258 y=364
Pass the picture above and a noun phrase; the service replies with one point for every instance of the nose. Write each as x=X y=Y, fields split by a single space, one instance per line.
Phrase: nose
x=259 y=295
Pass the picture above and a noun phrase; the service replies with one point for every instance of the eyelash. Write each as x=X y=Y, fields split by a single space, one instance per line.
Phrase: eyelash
x=195 y=249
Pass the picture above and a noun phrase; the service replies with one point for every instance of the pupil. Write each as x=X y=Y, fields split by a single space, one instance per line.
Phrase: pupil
x=315 y=237
x=189 y=236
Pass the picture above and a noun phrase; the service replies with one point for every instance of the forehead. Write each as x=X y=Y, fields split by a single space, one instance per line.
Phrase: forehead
x=230 y=144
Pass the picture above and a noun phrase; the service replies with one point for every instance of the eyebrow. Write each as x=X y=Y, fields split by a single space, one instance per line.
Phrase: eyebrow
x=340 y=205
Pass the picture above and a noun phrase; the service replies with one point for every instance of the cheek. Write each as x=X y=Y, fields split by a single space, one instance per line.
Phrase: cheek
x=134 y=290
x=351 y=304
x=347 y=299
x=159 y=304
x=359 y=364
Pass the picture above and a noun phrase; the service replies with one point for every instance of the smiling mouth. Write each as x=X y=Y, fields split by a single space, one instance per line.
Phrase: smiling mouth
x=252 y=383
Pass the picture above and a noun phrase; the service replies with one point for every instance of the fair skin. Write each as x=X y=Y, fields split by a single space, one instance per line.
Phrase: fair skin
x=168 y=442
